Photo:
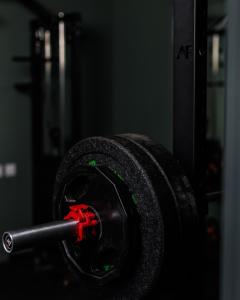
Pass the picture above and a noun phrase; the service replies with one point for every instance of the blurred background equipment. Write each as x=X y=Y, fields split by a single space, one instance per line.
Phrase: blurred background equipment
x=56 y=100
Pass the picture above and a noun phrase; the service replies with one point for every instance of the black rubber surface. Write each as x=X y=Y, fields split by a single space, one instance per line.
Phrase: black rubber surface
x=164 y=203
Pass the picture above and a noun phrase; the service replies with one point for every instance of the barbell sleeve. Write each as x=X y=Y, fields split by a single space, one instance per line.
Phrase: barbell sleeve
x=55 y=231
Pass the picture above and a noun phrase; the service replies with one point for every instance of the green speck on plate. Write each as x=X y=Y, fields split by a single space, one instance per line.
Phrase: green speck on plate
x=92 y=163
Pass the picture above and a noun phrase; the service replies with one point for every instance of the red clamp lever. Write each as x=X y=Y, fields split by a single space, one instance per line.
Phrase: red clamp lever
x=87 y=220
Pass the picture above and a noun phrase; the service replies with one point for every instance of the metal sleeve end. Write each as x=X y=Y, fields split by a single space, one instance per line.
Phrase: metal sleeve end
x=7 y=242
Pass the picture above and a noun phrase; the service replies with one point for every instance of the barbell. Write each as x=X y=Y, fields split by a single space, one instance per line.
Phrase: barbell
x=125 y=215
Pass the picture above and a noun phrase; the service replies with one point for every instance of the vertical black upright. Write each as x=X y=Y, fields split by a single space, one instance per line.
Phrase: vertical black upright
x=56 y=101
x=230 y=256
x=189 y=86
x=189 y=122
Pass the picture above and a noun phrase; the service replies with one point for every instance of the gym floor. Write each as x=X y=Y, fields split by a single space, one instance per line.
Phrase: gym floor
x=41 y=277
x=36 y=278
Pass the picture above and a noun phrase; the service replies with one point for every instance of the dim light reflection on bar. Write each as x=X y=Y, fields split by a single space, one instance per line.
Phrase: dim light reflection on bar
x=215 y=53
x=48 y=50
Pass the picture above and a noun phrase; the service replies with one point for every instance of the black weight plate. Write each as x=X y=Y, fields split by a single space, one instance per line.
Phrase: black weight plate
x=184 y=260
x=161 y=221
x=183 y=193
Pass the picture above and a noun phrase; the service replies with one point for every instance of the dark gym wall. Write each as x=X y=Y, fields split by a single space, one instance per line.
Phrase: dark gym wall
x=127 y=87
x=15 y=130
x=142 y=68
x=128 y=71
